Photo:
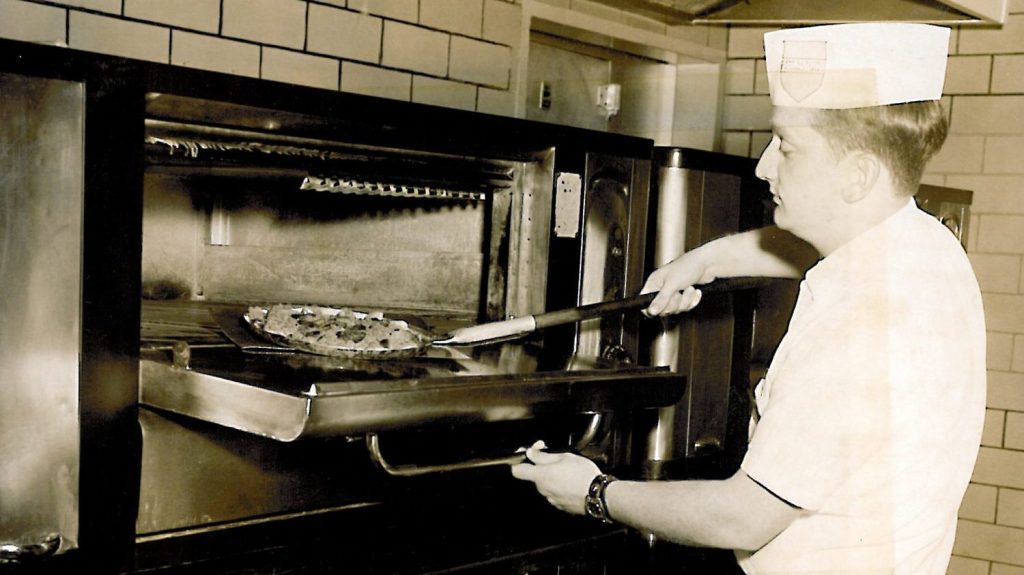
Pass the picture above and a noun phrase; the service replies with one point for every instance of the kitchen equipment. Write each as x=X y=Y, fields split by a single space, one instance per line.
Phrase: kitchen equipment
x=199 y=195
x=518 y=327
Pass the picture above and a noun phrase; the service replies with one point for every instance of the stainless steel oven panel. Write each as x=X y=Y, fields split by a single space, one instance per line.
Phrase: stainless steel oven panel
x=41 y=190
x=358 y=407
x=197 y=475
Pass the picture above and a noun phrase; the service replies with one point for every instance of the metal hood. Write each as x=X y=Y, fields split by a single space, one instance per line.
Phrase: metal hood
x=794 y=12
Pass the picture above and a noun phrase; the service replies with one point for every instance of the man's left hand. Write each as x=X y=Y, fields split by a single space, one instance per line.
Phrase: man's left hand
x=562 y=478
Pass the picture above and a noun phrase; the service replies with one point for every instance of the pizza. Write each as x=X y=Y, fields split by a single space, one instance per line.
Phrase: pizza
x=337 y=331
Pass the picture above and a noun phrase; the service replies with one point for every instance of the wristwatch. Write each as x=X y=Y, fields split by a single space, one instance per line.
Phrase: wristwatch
x=595 y=505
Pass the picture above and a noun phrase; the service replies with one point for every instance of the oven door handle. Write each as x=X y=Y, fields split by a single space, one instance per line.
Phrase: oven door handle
x=413 y=470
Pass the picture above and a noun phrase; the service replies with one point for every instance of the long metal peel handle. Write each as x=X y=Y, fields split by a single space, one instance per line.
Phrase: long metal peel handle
x=571 y=315
x=494 y=331
x=413 y=470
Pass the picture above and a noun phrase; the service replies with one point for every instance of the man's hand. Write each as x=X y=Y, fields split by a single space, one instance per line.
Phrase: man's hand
x=674 y=283
x=562 y=478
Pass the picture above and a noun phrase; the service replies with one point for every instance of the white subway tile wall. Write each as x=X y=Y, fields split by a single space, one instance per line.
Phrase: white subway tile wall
x=964 y=566
x=457 y=16
x=298 y=68
x=497 y=16
x=980 y=503
x=479 y=62
x=276 y=22
x=406 y=10
x=373 y=81
x=984 y=96
x=1002 y=569
x=345 y=34
x=739 y=77
x=413 y=48
x=109 y=6
x=1008 y=74
x=995 y=421
x=200 y=15
x=968 y=74
x=215 y=54
x=372 y=47
x=107 y=35
x=376 y=47
x=438 y=92
x=1017 y=363
x=33 y=22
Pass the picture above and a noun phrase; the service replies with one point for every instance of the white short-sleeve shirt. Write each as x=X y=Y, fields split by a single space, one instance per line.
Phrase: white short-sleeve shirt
x=871 y=412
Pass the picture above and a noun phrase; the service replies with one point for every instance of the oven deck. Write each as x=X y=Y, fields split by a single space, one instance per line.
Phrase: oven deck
x=200 y=373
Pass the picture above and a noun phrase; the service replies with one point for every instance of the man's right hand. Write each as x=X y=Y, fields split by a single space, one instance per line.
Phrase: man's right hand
x=674 y=283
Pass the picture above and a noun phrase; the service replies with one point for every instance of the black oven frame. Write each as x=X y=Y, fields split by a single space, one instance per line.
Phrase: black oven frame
x=115 y=104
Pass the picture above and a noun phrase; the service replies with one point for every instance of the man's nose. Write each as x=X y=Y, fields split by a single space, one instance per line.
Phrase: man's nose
x=766 y=165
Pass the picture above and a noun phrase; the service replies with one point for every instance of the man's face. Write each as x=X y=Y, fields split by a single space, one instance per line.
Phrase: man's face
x=803 y=173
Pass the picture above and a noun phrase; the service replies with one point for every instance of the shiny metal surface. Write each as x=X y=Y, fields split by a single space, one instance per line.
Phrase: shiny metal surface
x=197 y=476
x=669 y=242
x=477 y=393
x=603 y=265
x=778 y=12
x=41 y=175
x=11 y=554
x=413 y=470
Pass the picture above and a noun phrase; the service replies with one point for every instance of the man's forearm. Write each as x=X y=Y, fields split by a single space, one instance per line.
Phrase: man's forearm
x=763 y=252
x=734 y=513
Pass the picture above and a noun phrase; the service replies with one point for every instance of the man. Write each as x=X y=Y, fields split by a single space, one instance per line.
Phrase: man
x=868 y=421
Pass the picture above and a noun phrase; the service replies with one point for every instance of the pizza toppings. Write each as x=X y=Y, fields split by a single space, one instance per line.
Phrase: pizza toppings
x=336 y=331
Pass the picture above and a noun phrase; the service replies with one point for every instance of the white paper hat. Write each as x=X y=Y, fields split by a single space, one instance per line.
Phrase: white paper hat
x=856 y=65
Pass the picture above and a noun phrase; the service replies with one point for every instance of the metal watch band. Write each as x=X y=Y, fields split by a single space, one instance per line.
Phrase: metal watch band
x=595 y=504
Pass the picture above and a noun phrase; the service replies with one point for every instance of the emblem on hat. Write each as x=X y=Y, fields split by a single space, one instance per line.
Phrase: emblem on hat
x=802 y=68
x=856 y=65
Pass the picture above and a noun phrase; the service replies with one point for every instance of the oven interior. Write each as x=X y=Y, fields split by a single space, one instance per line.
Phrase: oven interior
x=249 y=206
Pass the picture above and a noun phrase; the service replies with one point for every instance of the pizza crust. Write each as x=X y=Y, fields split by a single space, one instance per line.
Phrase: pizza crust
x=339 y=332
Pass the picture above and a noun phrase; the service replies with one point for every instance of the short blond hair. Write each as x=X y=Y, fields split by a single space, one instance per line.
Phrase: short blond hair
x=904 y=136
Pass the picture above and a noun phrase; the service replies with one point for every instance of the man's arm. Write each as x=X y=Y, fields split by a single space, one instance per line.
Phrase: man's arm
x=734 y=513
x=765 y=252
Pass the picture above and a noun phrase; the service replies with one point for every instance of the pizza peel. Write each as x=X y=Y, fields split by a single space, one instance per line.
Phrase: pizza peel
x=480 y=334
x=524 y=325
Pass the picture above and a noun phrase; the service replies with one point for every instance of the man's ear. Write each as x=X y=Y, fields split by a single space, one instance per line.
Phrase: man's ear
x=862 y=172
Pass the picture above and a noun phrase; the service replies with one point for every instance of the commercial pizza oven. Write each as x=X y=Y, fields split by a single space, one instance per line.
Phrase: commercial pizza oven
x=177 y=438
x=381 y=211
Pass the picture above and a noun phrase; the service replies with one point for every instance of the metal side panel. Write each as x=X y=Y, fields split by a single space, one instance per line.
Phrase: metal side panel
x=41 y=184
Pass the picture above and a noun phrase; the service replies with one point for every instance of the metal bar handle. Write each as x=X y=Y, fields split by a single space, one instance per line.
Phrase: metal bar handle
x=413 y=470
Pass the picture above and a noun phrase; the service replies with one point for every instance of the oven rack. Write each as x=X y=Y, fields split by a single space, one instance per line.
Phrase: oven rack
x=322 y=165
x=369 y=188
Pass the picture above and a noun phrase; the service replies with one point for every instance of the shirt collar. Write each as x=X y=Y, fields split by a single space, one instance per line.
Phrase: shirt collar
x=857 y=263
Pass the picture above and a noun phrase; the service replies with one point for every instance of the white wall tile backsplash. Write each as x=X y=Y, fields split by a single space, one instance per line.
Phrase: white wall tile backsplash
x=345 y=34
x=107 y=35
x=33 y=22
x=276 y=22
x=298 y=68
x=413 y=48
x=373 y=81
x=215 y=54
